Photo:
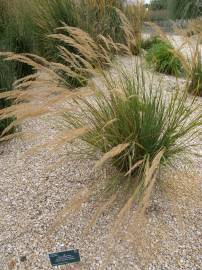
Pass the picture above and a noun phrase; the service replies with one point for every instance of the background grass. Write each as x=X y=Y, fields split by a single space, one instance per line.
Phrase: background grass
x=184 y=9
x=25 y=26
x=162 y=58
x=195 y=85
x=148 y=43
x=7 y=77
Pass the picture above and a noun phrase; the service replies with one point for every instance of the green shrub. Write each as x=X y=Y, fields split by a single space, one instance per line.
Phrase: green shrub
x=161 y=56
x=132 y=123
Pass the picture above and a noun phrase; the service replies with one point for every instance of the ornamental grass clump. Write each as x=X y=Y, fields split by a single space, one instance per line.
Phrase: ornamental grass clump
x=133 y=122
x=163 y=59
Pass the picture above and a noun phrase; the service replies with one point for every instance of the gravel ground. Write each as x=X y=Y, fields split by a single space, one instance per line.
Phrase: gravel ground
x=33 y=196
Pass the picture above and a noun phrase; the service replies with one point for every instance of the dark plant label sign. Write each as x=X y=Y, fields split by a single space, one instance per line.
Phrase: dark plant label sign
x=64 y=257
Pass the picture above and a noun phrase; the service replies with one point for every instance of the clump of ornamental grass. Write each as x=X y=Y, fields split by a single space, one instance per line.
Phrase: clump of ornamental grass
x=163 y=59
x=133 y=122
x=90 y=55
x=30 y=34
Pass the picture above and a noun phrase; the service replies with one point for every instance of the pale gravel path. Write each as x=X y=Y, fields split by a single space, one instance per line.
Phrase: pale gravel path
x=31 y=198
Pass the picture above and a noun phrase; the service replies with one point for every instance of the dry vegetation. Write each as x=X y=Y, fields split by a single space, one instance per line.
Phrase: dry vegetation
x=125 y=118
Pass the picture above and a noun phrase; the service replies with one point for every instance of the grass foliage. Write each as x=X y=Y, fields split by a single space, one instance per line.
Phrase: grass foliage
x=148 y=43
x=7 y=77
x=162 y=57
x=136 y=14
x=184 y=9
x=19 y=35
x=49 y=16
x=195 y=86
x=25 y=26
x=25 y=32
x=158 y=4
x=132 y=123
x=101 y=17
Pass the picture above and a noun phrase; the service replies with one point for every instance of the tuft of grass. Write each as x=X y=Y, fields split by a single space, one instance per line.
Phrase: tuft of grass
x=133 y=122
x=163 y=58
x=195 y=85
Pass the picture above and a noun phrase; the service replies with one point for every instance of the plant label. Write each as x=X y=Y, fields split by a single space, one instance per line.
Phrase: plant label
x=64 y=257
